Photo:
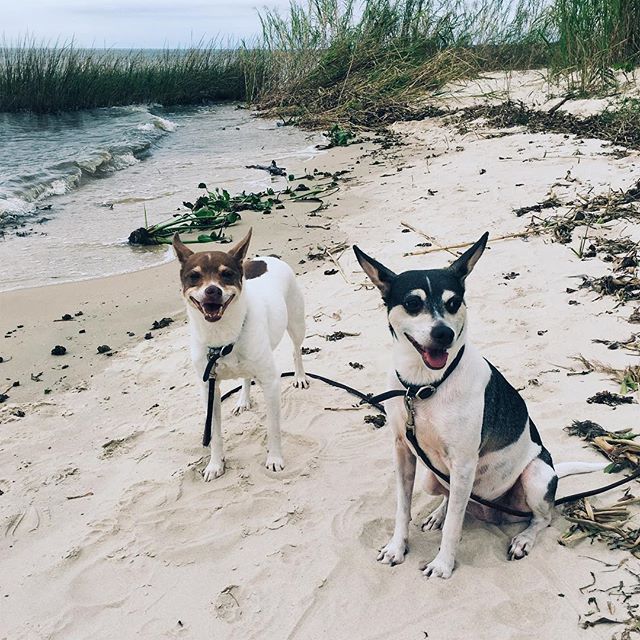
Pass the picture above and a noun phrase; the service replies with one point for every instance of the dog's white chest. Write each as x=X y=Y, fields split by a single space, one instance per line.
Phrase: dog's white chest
x=444 y=431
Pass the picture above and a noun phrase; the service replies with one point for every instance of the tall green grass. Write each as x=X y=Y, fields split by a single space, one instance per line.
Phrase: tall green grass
x=62 y=77
x=343 y=58
x=357 y=60
x=592 y=39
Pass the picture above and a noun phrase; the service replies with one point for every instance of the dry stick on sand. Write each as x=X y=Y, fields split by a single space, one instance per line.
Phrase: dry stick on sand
x=438 y=246
x=461 y=245
x=329 y=253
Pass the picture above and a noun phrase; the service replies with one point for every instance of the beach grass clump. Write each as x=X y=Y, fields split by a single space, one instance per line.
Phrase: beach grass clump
x=46 y=78
x=342 y=60
x=592 y=39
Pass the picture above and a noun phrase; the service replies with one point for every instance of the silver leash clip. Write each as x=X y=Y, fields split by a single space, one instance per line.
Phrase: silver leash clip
x=410 y=421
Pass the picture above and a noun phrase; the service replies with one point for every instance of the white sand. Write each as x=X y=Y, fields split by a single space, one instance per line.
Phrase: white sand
x=152 y=551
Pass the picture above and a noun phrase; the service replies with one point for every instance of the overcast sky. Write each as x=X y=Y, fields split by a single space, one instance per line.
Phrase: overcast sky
x=132 y=23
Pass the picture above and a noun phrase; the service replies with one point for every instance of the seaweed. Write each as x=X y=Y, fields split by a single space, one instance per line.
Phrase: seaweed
x=216 y=210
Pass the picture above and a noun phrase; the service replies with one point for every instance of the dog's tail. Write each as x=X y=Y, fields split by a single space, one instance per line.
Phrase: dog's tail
x=564 y=469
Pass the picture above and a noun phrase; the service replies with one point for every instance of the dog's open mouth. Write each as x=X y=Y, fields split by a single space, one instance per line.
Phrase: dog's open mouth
x=433 y=358
x=212 y=312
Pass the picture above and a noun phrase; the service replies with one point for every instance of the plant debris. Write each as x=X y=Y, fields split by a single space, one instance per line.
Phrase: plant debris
x=619 y=127
x=308 y=350
x=272 y=168
x=608 y=398
x=618 y=446
x=216 y=210
x=610 y=524
x=378 y=420
x=628 y=378
x=339 y=335
x=356 y=365
x=58 y=350
x=161 y=324
x=632 y=343
x=623 y=287
x=549 y=203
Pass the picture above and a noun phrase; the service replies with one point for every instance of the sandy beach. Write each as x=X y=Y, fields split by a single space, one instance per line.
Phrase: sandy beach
x=108 y=530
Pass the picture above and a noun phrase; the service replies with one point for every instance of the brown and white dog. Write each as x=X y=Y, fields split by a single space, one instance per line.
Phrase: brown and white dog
x=248 y=304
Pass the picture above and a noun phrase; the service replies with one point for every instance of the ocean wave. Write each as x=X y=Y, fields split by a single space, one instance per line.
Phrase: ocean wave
x=72 y=150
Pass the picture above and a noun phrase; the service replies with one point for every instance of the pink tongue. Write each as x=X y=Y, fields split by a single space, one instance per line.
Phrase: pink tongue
x=435 y=358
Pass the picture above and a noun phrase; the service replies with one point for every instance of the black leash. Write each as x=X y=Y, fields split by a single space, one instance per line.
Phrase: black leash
x=410 y=393
x=213 y=355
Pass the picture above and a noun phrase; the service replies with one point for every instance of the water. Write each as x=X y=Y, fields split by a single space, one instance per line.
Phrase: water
x=73 y=186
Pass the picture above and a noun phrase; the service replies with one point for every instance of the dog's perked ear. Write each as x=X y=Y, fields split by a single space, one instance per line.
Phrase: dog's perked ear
x=463 y=266
x=378 y=273
x=239 y=252
x=181 y=249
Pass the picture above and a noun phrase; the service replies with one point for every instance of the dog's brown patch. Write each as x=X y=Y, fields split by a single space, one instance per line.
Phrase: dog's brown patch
x=254 y=269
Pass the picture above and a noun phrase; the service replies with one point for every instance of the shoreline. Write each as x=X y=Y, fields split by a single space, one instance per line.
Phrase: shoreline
x=113 y=307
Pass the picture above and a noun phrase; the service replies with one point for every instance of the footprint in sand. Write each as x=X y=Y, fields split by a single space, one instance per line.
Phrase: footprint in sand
x=227 y=605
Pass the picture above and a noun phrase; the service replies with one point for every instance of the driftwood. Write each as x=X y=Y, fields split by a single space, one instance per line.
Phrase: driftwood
x=461 y=245
x=272 y=168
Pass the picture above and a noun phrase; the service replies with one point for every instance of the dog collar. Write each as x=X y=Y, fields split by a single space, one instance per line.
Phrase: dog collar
x=416 y=392
x=426 y=391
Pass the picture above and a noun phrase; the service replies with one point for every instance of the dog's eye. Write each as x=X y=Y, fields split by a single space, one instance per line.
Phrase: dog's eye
x=227 y=276
x=453 y=304
x=413 y=304
x=194 y=277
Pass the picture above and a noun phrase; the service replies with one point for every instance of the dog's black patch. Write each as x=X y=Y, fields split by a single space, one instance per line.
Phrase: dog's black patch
x=544 y=455
x=505 y=414
x=550 y=495
x=434 y=282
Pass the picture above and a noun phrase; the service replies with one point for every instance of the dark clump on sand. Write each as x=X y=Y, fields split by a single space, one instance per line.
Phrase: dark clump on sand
x=58 y=350
x=608 y=398
x=619 y=127
x=161 y=324
x=377 y=421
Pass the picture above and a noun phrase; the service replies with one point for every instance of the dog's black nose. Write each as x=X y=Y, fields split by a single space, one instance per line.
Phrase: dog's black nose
x=212 y=290
x=442 y=335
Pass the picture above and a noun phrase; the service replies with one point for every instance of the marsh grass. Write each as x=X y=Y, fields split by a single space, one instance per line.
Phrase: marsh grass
x=592 y=39
x=61 y=77
x=344 y=60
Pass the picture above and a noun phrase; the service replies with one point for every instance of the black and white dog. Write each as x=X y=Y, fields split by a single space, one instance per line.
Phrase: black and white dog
x=476 y=429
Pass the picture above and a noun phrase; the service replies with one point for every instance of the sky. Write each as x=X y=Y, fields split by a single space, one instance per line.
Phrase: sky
x=132 y=23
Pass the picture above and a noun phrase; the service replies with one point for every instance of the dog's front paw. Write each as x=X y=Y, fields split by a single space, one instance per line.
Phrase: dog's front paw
x=241 y=406
x=214 y=469
x=274 y=463
x=439 y=567
x=393 y=552
x=301 y=382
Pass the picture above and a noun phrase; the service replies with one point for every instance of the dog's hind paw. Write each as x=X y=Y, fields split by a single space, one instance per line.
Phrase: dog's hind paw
x=393 y=552
x=439 y=567
x=213 y=470
x=301 y=382
x=519 y=547
x=274 y=463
